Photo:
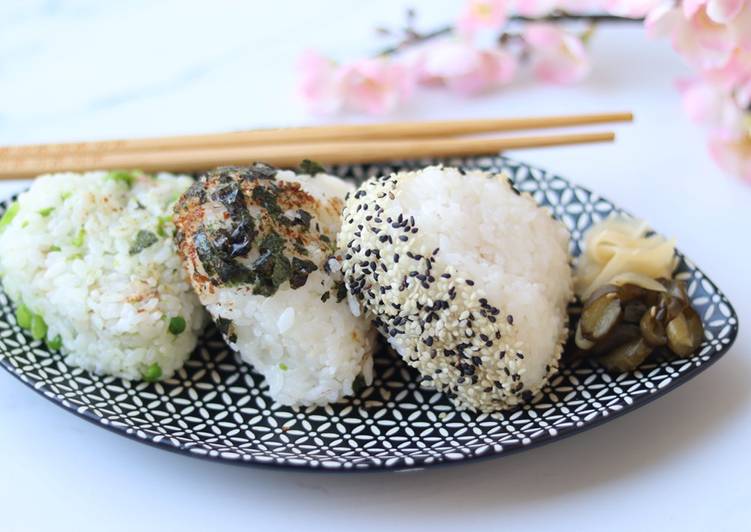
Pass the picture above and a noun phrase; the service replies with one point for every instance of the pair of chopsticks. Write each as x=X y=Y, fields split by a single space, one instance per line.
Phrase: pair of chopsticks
x=287 y=147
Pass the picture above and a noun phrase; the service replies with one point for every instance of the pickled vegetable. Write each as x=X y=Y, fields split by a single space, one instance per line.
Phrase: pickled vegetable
x=652 y=327
x=621 y=334
x=685 y=333
x=600 y=316
x=628 y=356
x=633 y=311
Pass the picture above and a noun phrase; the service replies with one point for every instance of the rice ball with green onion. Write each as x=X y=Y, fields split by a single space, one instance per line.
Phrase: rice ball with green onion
x=467 y=280
x=89 y=261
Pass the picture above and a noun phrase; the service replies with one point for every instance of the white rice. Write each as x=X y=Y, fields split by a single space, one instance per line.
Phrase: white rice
x=497 y=339
x=73 y=266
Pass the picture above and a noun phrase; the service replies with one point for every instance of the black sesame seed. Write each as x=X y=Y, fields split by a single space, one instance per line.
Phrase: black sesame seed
x=396 y=257
x=510 y=319
x=470 y=282
x=446 y=275
x=477 y=361
x=520 y=355
x=403 y=238
x=501 y=355
x=484 y=337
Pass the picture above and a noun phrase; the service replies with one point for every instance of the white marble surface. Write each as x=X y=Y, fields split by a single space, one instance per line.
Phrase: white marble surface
x=87 y=69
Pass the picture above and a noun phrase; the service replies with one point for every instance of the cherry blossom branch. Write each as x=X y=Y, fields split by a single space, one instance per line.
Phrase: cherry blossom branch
x=413 y=37
x=711 y=35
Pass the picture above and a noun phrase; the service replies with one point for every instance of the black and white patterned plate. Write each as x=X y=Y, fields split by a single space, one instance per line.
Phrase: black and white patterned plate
x=216 y=408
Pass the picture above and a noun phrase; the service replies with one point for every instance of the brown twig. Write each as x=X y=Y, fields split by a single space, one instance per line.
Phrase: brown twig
x=414 y=37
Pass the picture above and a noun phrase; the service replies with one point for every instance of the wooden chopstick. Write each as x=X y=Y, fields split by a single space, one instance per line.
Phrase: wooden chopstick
x=285 y=155
x=301 y=135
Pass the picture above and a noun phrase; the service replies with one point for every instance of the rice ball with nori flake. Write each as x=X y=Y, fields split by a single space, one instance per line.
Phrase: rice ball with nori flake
x=467 y=280
x=258 y=244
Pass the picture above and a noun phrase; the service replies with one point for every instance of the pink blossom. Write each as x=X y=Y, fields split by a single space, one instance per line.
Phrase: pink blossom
x=318 y=85
x=557 y=56
x=700 y=40
x=374 y=85
x=706 y=103
x=732 y=154
x=482 y=14
x=733 y=75
x=740 y=26
x=465 y=69
x=720 y=11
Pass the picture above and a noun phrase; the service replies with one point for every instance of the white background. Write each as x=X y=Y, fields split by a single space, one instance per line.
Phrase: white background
x=87 y=69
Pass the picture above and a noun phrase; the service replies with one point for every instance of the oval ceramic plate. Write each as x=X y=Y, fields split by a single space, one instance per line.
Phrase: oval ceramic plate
x=216 y=406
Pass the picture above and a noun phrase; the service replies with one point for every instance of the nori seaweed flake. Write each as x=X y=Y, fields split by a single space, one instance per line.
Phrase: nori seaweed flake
x=300 y=270
x=143 y=240
x=266 y=197
x=311 y=167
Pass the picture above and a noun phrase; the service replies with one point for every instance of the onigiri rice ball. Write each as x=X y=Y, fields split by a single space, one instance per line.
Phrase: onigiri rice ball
x=466 y=279
x=259 y=247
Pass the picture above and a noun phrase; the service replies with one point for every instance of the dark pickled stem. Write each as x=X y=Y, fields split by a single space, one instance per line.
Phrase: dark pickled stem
x=628 y=356
x=633 y=311
x=600 y=316
x=621 y=334
x=685 y=333
x=652 y=327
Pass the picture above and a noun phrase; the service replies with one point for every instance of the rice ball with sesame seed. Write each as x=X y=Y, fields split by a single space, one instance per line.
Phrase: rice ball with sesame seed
x=467 y=280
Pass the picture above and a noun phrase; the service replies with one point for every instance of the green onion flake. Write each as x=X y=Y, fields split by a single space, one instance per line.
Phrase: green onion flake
x=46 y=211
x=152 y=373
x=38 y=327
x=176 y=325
x=161 y=221
x=55 y=344
x=78 y=239
x=24 y=316
x=283 y=366
x=121 y=175
x=10 y=213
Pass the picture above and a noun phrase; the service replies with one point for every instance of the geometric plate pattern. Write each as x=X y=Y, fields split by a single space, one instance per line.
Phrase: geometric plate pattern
x=216 y=407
